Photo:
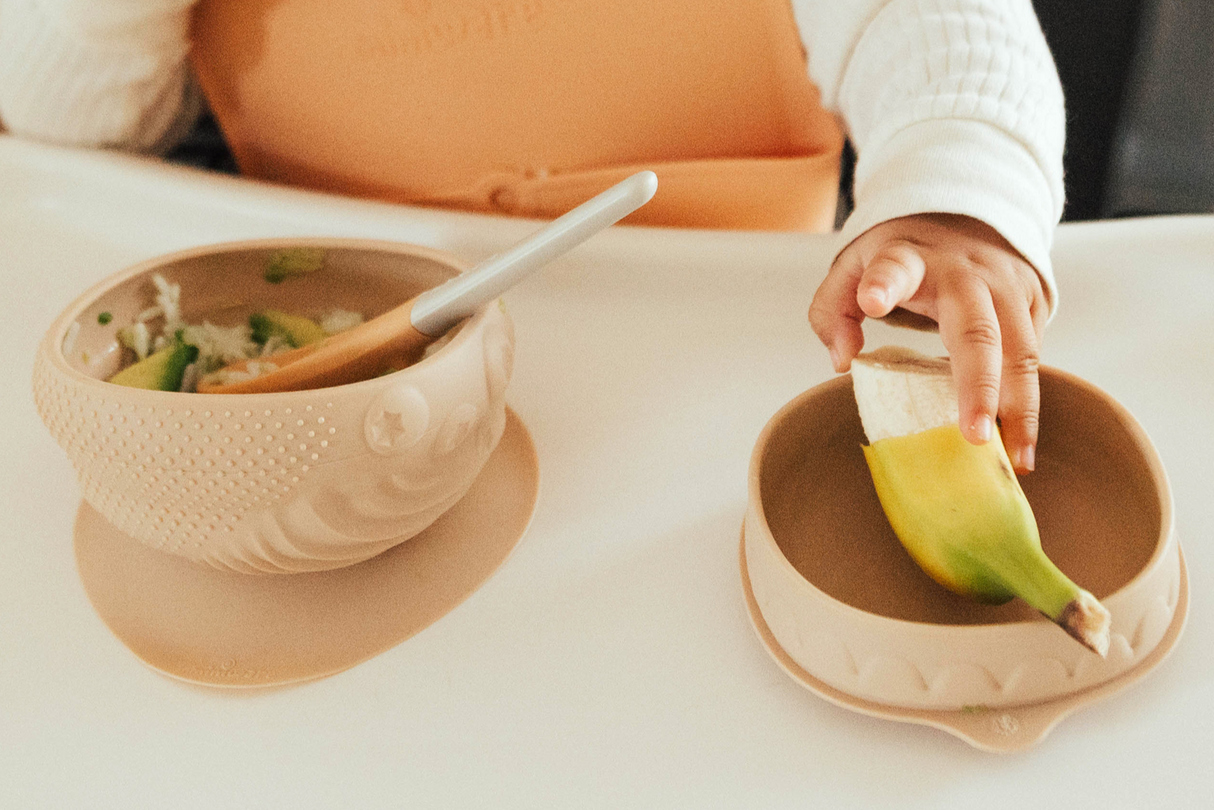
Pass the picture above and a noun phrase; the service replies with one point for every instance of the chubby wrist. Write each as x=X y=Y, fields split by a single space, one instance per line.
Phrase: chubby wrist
x=966 y=168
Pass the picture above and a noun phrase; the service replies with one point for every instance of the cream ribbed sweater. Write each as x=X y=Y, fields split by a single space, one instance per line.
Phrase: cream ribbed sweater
x=953 y=105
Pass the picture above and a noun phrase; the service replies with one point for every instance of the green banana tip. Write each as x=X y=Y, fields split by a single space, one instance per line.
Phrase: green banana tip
x=1087 y=621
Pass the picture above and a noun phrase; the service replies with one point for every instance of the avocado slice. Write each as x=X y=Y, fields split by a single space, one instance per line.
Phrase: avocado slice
x=294 y=329
x=288 y=262
x=160 y=371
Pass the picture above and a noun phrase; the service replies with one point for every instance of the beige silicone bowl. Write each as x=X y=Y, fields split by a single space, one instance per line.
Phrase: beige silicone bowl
x=845 y=602
x=285 y=482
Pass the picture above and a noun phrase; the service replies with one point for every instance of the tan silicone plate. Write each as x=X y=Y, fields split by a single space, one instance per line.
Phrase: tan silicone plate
x=995 y=730
x=223 y=628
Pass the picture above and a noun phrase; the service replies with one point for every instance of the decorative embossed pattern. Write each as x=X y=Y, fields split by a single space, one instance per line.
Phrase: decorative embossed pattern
x=955 y=668
x=298 y=481
x=174 y=477
x=845 y=603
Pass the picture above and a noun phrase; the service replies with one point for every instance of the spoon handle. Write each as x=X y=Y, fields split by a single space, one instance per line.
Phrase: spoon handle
x=438 y=309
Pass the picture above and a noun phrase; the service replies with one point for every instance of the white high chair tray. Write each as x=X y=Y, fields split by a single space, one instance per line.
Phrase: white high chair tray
x=611 y=661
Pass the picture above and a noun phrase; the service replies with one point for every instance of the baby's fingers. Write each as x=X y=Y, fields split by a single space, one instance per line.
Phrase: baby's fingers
x=834 y=314
x=1020 y=401
x=970 y=331
x=890 y=278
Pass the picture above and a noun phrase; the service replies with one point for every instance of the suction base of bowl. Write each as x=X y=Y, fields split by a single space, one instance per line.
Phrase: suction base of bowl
x=222 y=628
x=1002 y=730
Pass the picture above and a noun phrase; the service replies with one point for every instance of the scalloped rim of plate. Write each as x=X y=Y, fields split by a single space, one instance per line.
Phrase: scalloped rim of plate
x=999 y=730
x=233 y=630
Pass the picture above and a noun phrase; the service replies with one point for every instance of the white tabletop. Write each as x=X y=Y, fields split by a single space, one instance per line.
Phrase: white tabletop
x=610 y=662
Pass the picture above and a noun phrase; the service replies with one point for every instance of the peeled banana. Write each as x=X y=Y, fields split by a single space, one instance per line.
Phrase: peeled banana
x=958 y=508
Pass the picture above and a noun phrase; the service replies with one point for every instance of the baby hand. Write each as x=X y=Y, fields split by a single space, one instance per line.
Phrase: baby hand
x=988 y=301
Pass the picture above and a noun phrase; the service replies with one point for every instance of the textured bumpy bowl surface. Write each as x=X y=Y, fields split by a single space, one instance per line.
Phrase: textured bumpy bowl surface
x=286 y=482
x=848 y=605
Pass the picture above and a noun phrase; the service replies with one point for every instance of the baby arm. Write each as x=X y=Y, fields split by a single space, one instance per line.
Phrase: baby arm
x=956 y=113
x=97 y=72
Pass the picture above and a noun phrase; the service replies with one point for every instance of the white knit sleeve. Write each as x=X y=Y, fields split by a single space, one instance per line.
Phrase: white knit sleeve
x=953 y=106
x=97 y=72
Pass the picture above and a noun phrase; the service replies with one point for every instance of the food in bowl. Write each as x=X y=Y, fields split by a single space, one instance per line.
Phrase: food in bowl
x=958 y=508
x=165 y=353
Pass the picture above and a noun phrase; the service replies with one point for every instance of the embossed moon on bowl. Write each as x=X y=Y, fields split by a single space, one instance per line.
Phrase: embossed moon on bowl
x=845 y=601
x=286 y=482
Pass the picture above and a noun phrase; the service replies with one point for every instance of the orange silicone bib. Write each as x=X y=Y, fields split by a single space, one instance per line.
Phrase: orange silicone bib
x=527 y=106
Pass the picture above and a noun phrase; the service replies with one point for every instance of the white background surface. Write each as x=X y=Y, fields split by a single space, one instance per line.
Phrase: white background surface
x=610 y=662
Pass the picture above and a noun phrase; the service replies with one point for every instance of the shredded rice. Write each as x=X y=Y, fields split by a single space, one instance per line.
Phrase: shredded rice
x=136 y=338
x=274 y=345
x=149 y=313
x=218 y=346
x=168 y=298
x=339 y=320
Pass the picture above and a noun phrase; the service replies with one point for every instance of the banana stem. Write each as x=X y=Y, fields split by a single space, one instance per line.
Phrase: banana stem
x=1087 y=621
x=1033 y=577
